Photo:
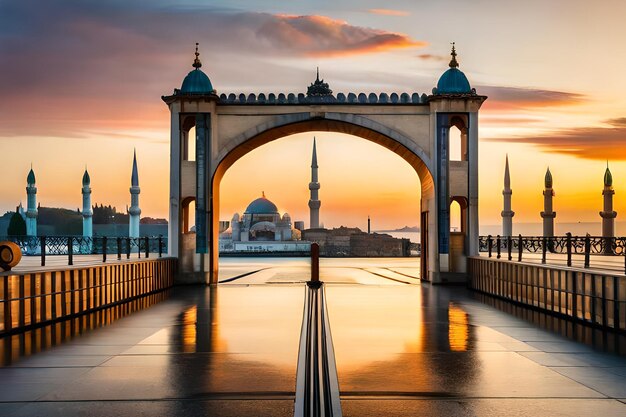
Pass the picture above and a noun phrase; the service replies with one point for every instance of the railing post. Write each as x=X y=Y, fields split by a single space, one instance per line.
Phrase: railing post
x=127 y=248
x=568 y=244
x=70 y=251
x=42 y=242
x=119 y=248
x=498 y=246
x=147 y=247
x=587 y=250
x=104 y=249
x=544 y=248
x=160 y=246
x=138 y=239
x=315 y=262
x=489 y=244
x=520 y=248
x=509 y=243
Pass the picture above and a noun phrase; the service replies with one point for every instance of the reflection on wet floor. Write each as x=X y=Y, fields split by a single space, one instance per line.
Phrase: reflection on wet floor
x=13 y=347
x=401 y=349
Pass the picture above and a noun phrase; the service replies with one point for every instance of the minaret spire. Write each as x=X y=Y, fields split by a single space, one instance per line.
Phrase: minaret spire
x=87 y=210
x=548 y=214
x=507 y=213
x=314 y=186
x=608 y=214
x=31 y=206
x=134 y=211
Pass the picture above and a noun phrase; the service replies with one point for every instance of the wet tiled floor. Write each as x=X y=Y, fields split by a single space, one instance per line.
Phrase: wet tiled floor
x=401 y=350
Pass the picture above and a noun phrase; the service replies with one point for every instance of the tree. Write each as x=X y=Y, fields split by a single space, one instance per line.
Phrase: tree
x=17 y=226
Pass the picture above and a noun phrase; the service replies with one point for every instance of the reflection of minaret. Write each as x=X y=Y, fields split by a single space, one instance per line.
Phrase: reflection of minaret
x=314 y=186
x=548 y=214
x=507 y=213
x=87 y=211
x=608 y=215
x=134 y=211
x=31 y=212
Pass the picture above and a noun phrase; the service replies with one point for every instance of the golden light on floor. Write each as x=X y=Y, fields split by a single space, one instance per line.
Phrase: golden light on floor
x=458 y=328
x=190 y=317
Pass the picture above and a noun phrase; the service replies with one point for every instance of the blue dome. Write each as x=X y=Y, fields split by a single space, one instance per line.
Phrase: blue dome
x=453 y=81
x=196 y=82
x=261 y=206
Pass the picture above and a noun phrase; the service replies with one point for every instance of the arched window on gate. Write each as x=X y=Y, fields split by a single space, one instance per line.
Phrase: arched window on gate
x=189 y=145
x=455 y=216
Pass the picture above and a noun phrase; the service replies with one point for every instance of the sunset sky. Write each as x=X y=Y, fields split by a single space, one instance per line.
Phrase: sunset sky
x=81 y=83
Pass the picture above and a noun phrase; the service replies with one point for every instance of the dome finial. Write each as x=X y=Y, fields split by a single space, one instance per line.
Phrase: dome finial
x=263 y=194
x=196 y=62
x=453 y=61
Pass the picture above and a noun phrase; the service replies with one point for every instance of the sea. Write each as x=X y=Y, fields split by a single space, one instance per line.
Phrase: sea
x=532 y=229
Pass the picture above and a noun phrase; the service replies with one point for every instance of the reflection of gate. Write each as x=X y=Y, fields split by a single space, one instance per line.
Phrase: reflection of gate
x=424 y=244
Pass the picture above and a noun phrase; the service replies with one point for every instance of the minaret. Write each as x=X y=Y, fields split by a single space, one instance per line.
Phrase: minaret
x=507 y=213
x=369 y=225
x=134 y=211
x=87 y=211
x=547 y=214
x=31 y=212
x=314 y=186
x=608 y=215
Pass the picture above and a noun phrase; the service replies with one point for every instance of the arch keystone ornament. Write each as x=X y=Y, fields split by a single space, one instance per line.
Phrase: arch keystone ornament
x=412 y=125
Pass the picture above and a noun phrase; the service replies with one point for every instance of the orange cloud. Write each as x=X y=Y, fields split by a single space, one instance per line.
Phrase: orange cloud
x=322 y=36
x=603 y=143
x=389 y=12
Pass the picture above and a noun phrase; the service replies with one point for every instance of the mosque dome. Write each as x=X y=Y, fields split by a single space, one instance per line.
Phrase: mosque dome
x=196 y=82
x=86 y=179
x=261 y=206
x=31 y=177
x=453 y=81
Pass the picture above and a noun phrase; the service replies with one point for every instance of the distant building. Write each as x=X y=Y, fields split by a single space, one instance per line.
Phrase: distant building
x=352 y=242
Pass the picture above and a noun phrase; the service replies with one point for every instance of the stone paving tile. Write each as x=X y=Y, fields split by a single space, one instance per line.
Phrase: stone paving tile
x=478 y=374
x=199 y=408
x=575 y=359
x=462 y=407
x=61 y=361
x=564 y=346
x=599 y=379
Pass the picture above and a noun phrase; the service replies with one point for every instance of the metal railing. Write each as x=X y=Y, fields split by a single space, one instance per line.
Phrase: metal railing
x=592 y=297
x=568 y=245
x=119 y=247
x=34 y=299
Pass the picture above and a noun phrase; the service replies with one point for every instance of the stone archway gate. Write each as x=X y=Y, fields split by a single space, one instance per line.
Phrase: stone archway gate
x=416 y=127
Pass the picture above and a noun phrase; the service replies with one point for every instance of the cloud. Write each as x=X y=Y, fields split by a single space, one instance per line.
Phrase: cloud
x=326 y=37
x=78 y=65
x=389 y=12
x=432 y=57
x=512 y=98
x=603 y=143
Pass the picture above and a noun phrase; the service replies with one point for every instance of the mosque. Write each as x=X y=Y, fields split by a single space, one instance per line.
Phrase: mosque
x=261 y=228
